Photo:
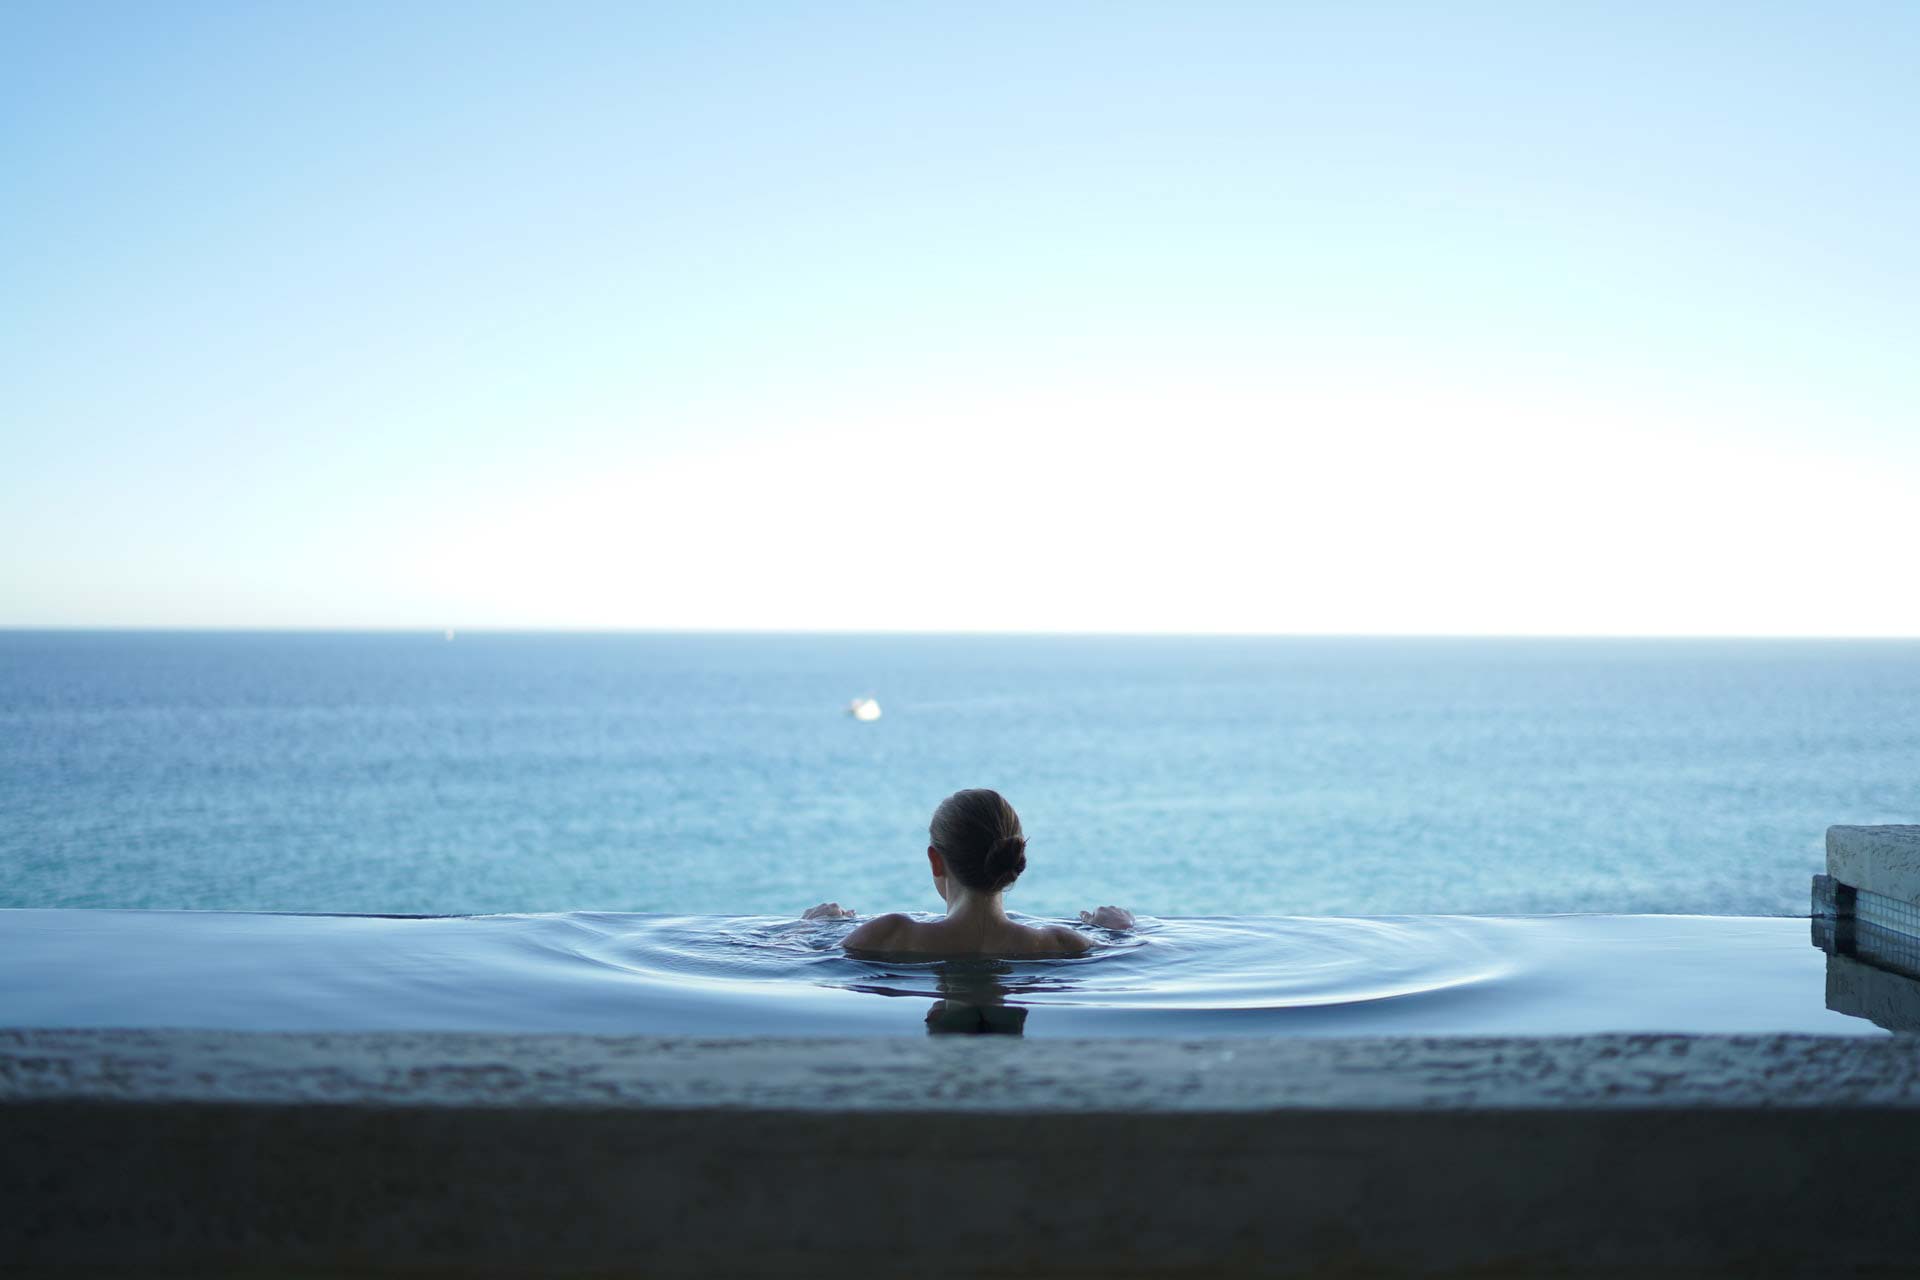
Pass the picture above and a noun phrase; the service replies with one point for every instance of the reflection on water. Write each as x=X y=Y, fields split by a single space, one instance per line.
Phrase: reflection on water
x=974 y=1000
x=731 y=976
x=1872 y=973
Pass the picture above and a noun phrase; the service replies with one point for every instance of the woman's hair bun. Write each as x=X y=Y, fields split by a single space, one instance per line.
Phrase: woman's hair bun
x=1006 y=860
x=979 y=835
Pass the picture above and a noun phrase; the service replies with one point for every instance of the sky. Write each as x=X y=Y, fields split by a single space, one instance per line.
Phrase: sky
x=1295 y=318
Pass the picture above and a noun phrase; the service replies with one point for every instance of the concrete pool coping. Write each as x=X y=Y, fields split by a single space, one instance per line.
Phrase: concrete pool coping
x=955 y=1073
x=1883 y=859
x=192 y=1152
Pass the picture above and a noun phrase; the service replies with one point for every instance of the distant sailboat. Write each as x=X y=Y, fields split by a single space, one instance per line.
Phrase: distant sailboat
x=864 y=709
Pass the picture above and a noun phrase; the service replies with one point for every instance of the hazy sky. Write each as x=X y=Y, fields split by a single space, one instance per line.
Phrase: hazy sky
x=1349 y=317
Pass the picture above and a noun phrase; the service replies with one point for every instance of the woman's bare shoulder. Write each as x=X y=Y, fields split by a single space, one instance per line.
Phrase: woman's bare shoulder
x=1064 y=939
x=881 y=933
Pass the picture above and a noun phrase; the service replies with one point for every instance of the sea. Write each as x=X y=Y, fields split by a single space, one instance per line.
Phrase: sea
x=722 y=774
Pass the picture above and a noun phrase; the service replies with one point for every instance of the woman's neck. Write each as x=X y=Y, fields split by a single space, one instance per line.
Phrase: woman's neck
x=967 y=906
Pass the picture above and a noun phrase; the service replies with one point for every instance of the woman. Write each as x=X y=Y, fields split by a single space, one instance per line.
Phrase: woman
x=977 y=851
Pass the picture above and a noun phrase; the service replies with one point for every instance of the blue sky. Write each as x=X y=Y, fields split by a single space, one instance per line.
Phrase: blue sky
x=1492 y=318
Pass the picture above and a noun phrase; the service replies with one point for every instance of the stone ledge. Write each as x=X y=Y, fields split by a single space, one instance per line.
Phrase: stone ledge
x=966 y=1074
x=1883 y=860
x=189 y=1153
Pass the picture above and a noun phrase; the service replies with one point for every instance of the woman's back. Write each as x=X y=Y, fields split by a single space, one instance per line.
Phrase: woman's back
x=964 y=934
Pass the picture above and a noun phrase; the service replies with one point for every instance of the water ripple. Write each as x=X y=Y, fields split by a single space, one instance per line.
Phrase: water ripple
x=1213 y=963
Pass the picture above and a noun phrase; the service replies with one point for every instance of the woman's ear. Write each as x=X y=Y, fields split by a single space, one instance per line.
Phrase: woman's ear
x=938 y=865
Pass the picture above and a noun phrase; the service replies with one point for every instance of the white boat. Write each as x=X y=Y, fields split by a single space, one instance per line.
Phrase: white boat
x=864 y=709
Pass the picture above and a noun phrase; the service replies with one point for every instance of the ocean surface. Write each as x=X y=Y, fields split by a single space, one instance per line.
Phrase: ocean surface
x=721 y=774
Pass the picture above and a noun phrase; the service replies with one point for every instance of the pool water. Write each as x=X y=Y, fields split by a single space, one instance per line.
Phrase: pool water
x=624 y=974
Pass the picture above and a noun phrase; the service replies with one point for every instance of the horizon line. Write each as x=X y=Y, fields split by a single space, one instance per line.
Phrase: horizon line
x=930 y=633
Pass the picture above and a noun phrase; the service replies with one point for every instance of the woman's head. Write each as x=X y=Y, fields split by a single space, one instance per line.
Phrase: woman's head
x=978 y=835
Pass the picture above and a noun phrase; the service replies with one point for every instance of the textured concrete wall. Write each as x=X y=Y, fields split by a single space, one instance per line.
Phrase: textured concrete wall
x=197 y=1153
x=1883 y=860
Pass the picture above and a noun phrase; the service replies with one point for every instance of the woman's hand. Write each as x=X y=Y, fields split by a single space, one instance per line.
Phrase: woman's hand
x=1108 y=918
x=829 y=911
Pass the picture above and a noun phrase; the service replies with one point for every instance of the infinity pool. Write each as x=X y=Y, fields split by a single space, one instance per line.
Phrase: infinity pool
x=733 y=976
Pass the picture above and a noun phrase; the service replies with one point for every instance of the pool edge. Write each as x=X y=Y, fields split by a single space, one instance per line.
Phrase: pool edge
x=147 y=1151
